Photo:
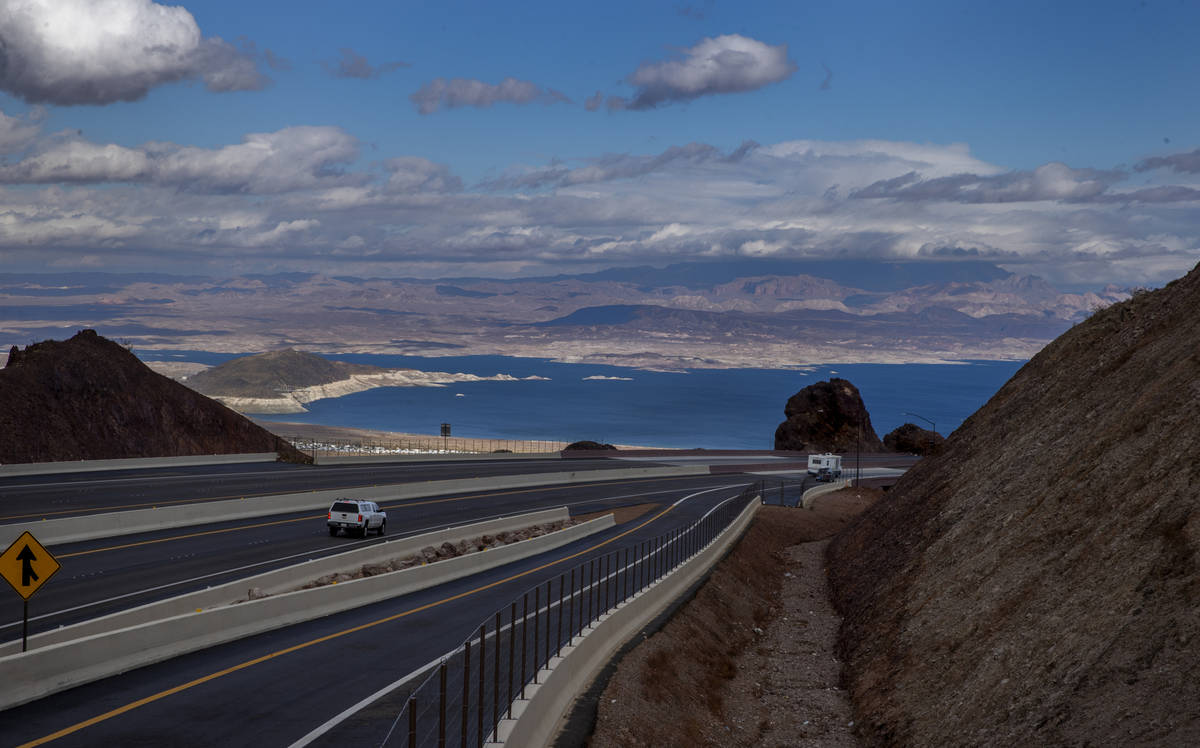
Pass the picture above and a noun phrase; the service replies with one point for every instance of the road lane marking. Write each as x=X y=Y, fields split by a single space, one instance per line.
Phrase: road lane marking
x=346 y=714
x=345 y=632
x=333 y=550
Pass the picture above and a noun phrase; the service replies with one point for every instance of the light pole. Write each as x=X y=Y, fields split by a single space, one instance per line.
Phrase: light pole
x=932 y=425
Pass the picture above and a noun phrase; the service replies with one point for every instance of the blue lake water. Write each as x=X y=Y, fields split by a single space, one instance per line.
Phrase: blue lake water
x=711 y=408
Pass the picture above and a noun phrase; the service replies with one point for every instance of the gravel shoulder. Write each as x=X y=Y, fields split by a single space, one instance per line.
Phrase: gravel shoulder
x=749 y=661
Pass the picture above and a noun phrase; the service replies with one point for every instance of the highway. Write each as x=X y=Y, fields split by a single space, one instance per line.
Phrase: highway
x=274 y=688
x=110 y=574
x=31 y=498
x=277 y=687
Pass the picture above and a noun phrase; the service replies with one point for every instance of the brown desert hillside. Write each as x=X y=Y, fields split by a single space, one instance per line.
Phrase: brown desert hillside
x=270 y=374
x=88 y=398
x=1036 y=582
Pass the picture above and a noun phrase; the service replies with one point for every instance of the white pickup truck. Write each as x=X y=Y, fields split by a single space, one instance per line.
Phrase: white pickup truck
x=356 y=517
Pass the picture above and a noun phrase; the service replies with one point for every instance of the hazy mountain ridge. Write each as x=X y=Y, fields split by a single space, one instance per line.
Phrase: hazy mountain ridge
x=694 y=314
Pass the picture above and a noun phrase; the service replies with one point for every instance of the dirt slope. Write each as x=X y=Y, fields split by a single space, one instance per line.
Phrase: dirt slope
x=88 y=398
x=1036 y=582
x=269 y=374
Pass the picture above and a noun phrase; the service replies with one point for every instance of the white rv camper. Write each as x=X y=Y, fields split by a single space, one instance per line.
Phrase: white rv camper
x=825 y=466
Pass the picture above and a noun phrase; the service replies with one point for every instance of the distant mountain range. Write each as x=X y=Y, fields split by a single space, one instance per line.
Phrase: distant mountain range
x=748 y=313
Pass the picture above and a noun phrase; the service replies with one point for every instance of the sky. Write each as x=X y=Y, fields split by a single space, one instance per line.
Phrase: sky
x=508 y=139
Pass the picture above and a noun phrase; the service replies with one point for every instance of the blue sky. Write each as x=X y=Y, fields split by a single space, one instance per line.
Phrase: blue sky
x=483 y=138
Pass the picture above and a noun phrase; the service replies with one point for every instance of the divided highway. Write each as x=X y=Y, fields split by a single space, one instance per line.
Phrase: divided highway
x=277 y=687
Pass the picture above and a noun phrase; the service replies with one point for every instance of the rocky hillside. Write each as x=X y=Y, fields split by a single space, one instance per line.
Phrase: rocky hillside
x=1036 y=582
x=269 y=374
x=88 y=398
x=827 y=417
x=912 y=439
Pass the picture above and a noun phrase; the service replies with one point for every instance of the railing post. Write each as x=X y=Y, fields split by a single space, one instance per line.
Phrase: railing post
x=524 y=637
x=547 y=660
x=512 y=648
x=412 y=722
x=496 y=679
x=442 y=708
x=537 y=618
x=558 y=645
x=591 y=591
x=625 y=587
x=482 y=668
x=466 y=690
x=571 y=602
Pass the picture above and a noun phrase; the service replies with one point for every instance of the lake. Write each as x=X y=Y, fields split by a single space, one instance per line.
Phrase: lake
x=710 y=408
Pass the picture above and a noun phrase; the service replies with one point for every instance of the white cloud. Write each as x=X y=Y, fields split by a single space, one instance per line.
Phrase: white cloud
x=18 y=132
x=100 y=51
x=459 y=92
x=725 y=64
x=289 y=159
x=293 y=200
x=354 y=65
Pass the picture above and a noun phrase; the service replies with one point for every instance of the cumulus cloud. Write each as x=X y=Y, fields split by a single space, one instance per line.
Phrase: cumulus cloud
x=725 y=64
x=1184 y=163
x=1053 y=181
x=18 y=132
x=692 y=201
x=289 y=159
x=410 y=174
x=618 y=166
x=354 y=65
x=459 y=92
x=84 y=52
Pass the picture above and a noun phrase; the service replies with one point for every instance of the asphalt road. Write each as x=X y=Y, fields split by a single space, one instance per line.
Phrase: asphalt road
x=274 y=688
x=110 y=574
x=30 y=498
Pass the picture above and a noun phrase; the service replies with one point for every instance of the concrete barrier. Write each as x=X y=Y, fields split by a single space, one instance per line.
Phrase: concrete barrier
x=136 y=463
x=92 y=526
x=283 y=580
x=538 y=717
x=28 y=676
x=322 y=459
x=806 y=500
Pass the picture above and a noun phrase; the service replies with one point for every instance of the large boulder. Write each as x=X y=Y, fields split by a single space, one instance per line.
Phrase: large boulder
x=912 y=439
x=827 y=417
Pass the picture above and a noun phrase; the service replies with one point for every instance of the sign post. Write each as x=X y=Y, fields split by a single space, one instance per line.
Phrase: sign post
x=445 y=433
x=27 y=565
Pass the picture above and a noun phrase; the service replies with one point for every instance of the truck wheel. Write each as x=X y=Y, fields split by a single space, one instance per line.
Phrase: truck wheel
x=365 y=529
x=382 y=528
x=332 y=531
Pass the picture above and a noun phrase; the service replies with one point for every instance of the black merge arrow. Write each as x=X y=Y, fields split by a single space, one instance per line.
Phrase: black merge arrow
x=28 y=575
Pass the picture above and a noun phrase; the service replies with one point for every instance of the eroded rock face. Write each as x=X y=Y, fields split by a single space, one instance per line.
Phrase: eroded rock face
x=88 y=398
x=827 y=417
x=912 y=439
x=1037 y=581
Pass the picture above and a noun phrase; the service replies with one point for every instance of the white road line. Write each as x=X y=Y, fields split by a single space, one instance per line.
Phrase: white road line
x=364 y=703
x=310 y=554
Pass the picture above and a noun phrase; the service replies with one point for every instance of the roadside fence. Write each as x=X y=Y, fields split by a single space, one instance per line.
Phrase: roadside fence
x=470 y=692
x=785 y=491
x=401 y=445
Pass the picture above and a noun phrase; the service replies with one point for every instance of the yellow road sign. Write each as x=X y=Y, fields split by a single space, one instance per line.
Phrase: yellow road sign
x=27 y=565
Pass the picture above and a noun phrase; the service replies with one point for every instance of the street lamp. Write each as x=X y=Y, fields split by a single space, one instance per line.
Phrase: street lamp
x=932 y=425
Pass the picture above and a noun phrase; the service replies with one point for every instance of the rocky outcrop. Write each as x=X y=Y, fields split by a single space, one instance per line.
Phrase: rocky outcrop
x=827 y=417
x=912 y=439
x=1038 y=581
x=89 y=398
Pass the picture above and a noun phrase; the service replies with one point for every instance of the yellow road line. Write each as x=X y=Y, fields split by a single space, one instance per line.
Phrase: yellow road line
x=304 y=645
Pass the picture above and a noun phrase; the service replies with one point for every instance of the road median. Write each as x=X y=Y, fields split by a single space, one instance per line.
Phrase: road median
x=109 y=524
x=57 y=666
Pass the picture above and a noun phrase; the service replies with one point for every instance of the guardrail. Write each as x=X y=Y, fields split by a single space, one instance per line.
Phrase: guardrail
x=480 y=685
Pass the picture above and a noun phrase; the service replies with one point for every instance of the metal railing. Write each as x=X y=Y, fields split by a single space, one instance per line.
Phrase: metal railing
x=401 y=445
x=786 y=491
x=473 y=689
